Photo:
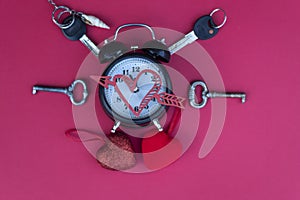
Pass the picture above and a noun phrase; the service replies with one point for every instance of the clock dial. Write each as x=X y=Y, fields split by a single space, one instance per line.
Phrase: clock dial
x=142 y=70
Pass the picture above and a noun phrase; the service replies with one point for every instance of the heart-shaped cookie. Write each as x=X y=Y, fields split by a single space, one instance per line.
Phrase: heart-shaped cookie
x=117 y=153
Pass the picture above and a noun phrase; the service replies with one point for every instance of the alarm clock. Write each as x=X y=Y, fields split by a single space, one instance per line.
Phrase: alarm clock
x=135 y=81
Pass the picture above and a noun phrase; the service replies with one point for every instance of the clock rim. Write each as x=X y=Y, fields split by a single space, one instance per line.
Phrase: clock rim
x=133 y=122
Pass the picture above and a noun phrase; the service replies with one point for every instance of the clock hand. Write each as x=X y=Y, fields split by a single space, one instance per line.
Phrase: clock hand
x=136 y=89
x=130 y=75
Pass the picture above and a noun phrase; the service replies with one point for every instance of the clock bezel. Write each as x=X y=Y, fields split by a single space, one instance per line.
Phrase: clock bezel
x=143 y=121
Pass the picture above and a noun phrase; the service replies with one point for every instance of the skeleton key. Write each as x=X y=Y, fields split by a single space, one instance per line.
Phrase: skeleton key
x=206 y=94
x=68 y=91
x=204 y=29
x=77 y=31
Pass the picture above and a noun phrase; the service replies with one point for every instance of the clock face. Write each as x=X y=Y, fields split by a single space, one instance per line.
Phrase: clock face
x=124 y=103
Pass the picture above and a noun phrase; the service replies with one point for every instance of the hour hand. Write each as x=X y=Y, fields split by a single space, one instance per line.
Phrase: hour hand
x=130 y=75
x=136 y=89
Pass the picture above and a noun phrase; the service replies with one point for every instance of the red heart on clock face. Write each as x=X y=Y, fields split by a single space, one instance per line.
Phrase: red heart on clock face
x=160 y=150
x=132 y=85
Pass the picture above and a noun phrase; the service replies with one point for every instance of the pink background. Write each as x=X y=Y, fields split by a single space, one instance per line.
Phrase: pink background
x=257 y=156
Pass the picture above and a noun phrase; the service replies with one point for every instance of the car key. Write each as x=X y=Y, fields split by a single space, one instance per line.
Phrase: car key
x=77 y=31
x=74 y=26
x=204 y=29
x=207 y=94
x=67 y=90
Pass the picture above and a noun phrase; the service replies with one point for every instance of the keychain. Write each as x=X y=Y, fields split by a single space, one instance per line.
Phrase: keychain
x=135 y=90
x=74 y=25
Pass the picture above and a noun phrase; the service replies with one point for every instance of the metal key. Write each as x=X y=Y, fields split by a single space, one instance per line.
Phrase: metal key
x=206 y=94
x=77 y=31
x=68 y=91
x=74 y=26
x=204 y=29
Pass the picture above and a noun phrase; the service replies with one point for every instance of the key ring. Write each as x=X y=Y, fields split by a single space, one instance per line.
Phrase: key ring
x=129 y=25
x=192 y=94
x=84 y=94
x=224 y=21
x=62 y=10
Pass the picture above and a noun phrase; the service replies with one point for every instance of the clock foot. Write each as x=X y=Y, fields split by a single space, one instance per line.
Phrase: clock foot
x=116 y=126
x=157 y=124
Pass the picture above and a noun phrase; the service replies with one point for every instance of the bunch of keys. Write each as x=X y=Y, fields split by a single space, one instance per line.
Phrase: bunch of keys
x=74 y=28
x=74 y=25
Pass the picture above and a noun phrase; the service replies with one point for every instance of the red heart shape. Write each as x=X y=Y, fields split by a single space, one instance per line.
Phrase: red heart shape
x=132 y=84
x=160 y=150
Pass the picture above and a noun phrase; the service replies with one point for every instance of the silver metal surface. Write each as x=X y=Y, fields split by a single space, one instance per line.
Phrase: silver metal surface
x=59 y=11
x=52 y=3
x=90 y=45
x=192 y=94
x=157 y=125
x=68 y=91
x=224 y=20
x=186 y=40
x=242 y=96
x=116 y=126
x=93 y=21
x=131 y=25
x=135 y=47
x=49 y=89
x=206 y=94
